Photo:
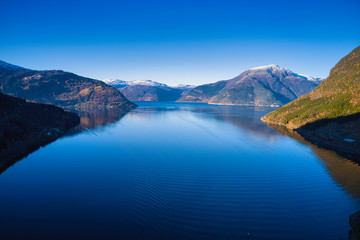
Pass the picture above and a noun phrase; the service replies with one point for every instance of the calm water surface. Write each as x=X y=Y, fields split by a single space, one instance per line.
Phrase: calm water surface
x=179 y=171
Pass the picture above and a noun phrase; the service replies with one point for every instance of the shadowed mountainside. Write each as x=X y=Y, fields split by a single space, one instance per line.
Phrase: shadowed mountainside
x=340 y=134
x=345 y=172
x=25 y=126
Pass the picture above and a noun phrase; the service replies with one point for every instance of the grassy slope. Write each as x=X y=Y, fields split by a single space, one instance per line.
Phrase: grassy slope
x=338 y=95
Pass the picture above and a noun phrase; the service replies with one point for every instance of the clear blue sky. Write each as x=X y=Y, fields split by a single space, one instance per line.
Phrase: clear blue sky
x=173 y=41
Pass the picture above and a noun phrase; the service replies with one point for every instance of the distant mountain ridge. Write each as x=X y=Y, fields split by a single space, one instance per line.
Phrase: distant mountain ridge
x=117 y=82
x=122 y=83
x=60 y=88
x=148 y=90
x=270 y=85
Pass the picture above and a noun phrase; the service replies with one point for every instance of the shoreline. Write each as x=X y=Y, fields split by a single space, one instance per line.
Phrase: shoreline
x=27 y=126
x=341 y=135
x=231 y=104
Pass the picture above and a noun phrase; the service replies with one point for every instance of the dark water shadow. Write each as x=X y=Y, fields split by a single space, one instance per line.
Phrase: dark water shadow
x=94 y=120
x=344 y=171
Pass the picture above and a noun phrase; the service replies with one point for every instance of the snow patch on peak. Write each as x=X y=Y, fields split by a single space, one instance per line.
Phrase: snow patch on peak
x=122 y=83
x=318 y=80
x=183 y=86
x=267 y=67
x=113 y=81
x=147 y=83
x=276 y=68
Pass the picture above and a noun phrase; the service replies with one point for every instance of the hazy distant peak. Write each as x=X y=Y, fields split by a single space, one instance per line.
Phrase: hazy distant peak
x=112 y=80
x=183 y=86
x=147 y=83
x=122 y=83
x=10 y=67
x=117 y=82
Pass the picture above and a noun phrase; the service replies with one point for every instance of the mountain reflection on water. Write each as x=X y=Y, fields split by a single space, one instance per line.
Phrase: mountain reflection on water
x=96 y=119
x=245 y=118
x=92 y=120
x=179 y=171
x=344 y=171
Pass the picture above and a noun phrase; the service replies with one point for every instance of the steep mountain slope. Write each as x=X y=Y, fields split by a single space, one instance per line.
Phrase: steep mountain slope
x=150 y=93
x=336 y=96
x=25 y=126
x=262 y=86
x=329 y=116
x=148 y=90
x=60 y=88
x=4 y=66
x=203 y=93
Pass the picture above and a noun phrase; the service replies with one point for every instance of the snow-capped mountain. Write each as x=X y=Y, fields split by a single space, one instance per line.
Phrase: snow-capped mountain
x=183 y=86
x=121 y=83
x=118 y=83
x=148 y=90
x=317 y=80
x=147 y=83
x=269 y=85
x=113 y=81
x=276 y=69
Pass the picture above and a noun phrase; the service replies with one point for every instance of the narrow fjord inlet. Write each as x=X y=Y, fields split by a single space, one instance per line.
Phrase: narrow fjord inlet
x=180 y=120
x=179 y=171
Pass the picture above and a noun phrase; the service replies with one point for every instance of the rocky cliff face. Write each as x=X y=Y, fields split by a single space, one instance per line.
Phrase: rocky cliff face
x=262 y=86
x=25 y=126
x=60 y=88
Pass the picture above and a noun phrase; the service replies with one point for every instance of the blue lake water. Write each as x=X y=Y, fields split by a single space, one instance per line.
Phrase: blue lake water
x=179 y=171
